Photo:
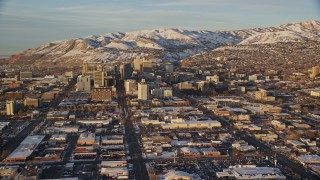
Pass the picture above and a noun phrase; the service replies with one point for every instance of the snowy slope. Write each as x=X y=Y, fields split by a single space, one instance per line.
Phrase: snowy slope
x=172 y=44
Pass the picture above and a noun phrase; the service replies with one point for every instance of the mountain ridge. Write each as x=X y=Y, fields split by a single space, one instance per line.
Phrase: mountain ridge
x=172 y=44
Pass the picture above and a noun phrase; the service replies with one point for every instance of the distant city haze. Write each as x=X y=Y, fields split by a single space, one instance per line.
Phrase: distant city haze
x=27 y=24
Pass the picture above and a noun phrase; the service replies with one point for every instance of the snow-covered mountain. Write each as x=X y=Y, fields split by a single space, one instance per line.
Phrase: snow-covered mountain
x=168 y=43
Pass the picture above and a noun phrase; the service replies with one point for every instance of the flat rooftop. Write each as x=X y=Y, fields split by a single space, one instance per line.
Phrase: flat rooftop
x=27 y=146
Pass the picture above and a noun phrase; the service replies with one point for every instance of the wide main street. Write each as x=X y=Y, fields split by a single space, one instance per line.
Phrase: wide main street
x=138 y=162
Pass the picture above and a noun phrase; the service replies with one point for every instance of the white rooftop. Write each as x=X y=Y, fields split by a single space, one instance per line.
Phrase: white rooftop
x=27 y=146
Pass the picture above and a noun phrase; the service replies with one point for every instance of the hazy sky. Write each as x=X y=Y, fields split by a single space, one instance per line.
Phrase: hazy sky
x=29 y=23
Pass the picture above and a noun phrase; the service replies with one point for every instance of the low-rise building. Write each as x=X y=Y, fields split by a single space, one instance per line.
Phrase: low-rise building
x=25 y=149
x=101 y=94
x=246 y=172
x=58 y=137
x=192 y=124
x=86 y=139
x=309 y=159
x=211 y=151
x=188 y=151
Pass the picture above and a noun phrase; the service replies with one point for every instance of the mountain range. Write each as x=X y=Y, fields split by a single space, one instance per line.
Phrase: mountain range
x=167 y=43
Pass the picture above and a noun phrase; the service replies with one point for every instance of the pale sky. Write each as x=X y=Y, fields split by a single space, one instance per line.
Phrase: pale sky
x=27 y=24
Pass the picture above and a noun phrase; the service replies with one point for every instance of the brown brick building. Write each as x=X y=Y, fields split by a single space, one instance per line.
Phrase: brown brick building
x=101 y=94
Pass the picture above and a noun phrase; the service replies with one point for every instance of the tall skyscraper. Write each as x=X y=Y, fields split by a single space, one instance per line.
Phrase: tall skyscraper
x=98 y=79
x=126 y=71
x=88 y=68
x=143 y=90
x=137 y=63
x=83 y=83
x=84 y=67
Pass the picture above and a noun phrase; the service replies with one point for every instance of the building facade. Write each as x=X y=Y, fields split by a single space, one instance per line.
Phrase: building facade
x=143 y=90
x=83 y=83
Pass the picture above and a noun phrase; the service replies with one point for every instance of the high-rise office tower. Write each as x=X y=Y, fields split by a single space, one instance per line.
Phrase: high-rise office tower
x=126 y=71
x=143 y=90
x=98 y=79
x=83 y=83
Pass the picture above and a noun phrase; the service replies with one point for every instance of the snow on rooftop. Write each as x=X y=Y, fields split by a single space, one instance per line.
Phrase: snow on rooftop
x=27 y=146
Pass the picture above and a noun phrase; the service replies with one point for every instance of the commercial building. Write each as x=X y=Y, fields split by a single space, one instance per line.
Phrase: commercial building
x=69 y=74
x=130 y=86
x=88 y=68
x=137 y=64
x=57 y=115
x=13 y=95
x=211 y=151
x=34 y=102
x=214 y=78
x=163 y=92
x=48 y=96
x=11 y=108
x=143 y=90
x=83 y=83
x=109 y=81
x=8 y=172
x=58 y=137
x=192 y=125
x=112 y=140
x=26 y=75
x=25 y=149
x=309 y=159
x=101 y=94
x=86 y=139
x=188 y=151
x=247 y=172
x=148 y=66
x=173 y=175
x=117 y=173
x=113 y=164
x=126 y=71
x=98 y=79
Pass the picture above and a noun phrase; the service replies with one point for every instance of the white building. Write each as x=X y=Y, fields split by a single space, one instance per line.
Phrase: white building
x=143 y=90
x=25 y=149
x=83 y=83
x=173 y=175
x=247 y=172
x=192 y=124
x=58 y=137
